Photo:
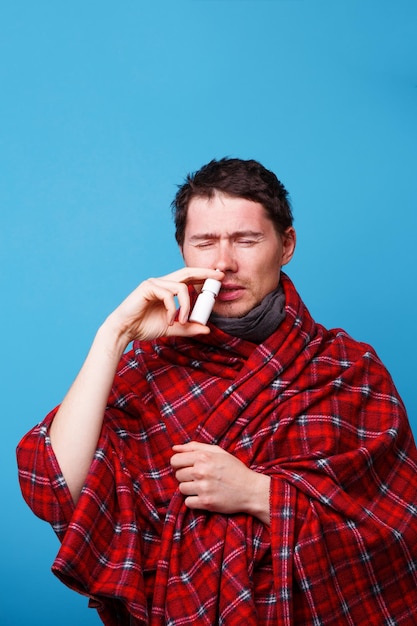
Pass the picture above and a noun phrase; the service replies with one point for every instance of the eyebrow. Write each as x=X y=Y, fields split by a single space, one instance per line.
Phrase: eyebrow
x=235 y=235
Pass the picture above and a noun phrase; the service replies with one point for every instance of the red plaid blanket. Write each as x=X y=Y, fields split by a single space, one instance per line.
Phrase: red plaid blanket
x=312 y=408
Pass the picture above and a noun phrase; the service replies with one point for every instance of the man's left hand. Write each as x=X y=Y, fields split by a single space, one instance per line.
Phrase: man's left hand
x=214 y=480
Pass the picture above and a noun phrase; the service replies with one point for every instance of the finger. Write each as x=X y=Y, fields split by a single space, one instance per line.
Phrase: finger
x=188 y=489
x=194 y=502
x=189 y=329
x=184 y=475
x=171 y=309
x=182 y=459
x=180 y=290
x=167 y=290
x=160 y=289
x=190 y=275
x=181 y=447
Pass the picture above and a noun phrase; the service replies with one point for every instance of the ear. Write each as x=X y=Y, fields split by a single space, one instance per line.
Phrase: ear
x=289 y=239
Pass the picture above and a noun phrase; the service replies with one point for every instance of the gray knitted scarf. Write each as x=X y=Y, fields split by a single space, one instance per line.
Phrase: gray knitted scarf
x=259 y=323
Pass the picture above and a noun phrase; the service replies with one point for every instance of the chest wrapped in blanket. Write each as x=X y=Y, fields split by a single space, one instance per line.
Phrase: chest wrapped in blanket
x=311 y=408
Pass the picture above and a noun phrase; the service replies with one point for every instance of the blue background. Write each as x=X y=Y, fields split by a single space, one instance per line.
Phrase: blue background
x=105 y=107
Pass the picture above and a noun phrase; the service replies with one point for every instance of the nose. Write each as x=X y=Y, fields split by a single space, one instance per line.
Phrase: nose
x=226 y=259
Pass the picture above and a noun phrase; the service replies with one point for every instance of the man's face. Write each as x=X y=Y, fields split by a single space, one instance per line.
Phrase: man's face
x=235 y=236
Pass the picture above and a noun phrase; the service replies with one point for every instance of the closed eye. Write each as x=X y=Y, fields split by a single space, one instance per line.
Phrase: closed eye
x=204 y=244
x=246 y=242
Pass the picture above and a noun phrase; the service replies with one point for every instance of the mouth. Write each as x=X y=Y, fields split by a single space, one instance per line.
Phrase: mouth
x=230 y=292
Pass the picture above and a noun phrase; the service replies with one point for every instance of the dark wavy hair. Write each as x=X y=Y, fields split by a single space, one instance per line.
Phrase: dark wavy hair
x=234 y=177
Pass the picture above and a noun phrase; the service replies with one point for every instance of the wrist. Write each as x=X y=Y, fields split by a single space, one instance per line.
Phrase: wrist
x=259 y=505
x=111 y=338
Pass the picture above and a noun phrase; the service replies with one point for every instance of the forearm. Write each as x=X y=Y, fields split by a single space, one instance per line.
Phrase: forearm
x=77 y=424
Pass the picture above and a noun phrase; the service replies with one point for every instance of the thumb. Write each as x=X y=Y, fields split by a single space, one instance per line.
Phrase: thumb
x=189 y=329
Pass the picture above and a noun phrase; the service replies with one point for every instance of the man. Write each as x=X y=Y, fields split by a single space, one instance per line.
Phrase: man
x=257 y=470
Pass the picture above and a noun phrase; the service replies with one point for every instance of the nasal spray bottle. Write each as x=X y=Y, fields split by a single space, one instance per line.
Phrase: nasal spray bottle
x=205 y=301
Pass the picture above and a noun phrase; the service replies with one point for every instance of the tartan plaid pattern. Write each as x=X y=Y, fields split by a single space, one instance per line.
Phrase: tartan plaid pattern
x=312 y=408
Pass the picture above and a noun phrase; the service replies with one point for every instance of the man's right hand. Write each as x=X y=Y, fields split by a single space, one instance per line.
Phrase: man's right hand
x=150 y=310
